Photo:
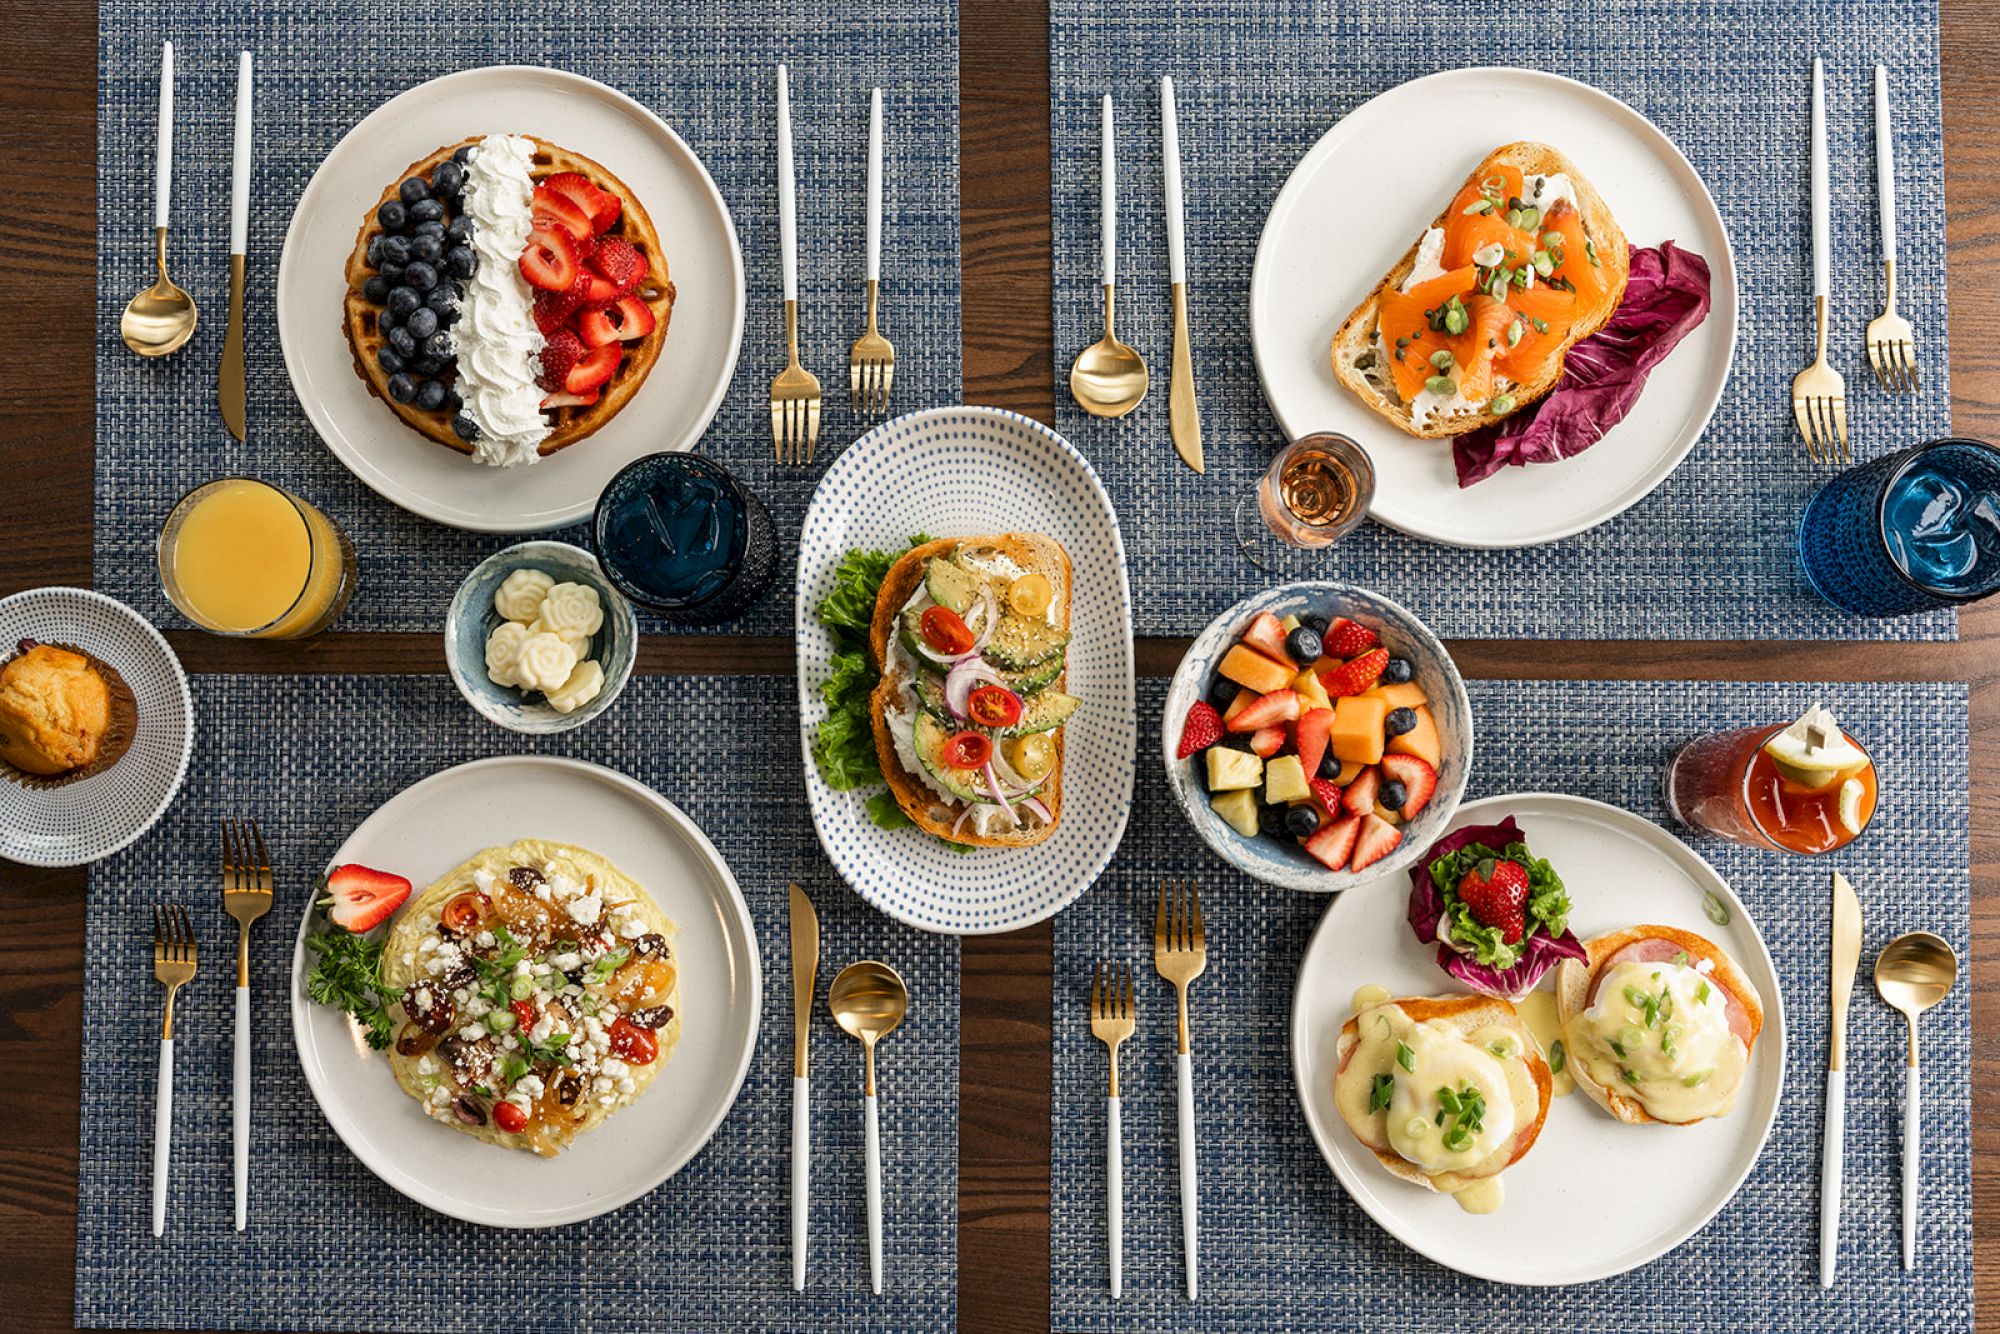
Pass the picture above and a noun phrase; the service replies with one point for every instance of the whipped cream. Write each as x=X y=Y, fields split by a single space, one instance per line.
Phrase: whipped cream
x=497 y=342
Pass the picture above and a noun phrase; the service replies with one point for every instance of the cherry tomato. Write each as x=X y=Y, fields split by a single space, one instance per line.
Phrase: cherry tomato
x=509 y=1117
x=1030 y=595
x=945 y=630
x=1032 y=756
x=968 y=750
x=525 y=1012
x=632 y=1044
x=463 y=914
x=994 y=706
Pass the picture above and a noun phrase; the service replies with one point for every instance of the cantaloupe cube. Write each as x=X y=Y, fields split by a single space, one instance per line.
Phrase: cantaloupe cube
x=1244 y=699
x=1252 y=670
x=1405 y=696
x=1311 y=691
x=1349 y=771
x=1357 y=728
x=1421 y=740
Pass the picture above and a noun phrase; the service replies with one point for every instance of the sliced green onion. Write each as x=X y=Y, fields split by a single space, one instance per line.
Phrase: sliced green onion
x=1514 y=334
x=1501 y=403
x=1558 y=1058
x=499 y=1021
x=1543 y=264
x=1701 y=994
x=1541 y=325
x=1697 y=1079
x=1717 y=910
x=1448 y=1100
x=1477 y=206
x=521 y=988
x=1379 y=1095
x=1441 y=385
x=1531 y=218
x=1590 y=253
x=1405 y=1057
x=1630 y=1077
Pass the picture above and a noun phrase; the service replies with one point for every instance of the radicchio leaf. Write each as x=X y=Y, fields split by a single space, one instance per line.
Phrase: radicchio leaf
x=1538 y=950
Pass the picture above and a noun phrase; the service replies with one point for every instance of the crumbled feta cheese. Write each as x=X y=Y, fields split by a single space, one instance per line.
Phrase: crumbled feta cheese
x=586 y=908
x=486 y=940
x=614 y=1067
x=510 y=1042
x=628 y=1085
x=427 y=944
x=631 y=928
x=529 y=1086
x=567 y=960
x=470 y=1033
x=427 y=1066
x=600 y=1084
x=409 y=959
x=543 y=970
x=484 y=879
x=524 y=969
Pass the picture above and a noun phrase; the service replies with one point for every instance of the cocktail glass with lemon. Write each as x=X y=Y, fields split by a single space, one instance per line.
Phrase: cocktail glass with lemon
x=242 y=557
x=1803 y=787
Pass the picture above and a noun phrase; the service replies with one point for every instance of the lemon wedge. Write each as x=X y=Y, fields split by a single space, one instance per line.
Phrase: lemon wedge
x=1813 y=751
x=1850 y=805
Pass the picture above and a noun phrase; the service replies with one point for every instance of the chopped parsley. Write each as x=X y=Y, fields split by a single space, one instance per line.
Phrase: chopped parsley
x=347 y=974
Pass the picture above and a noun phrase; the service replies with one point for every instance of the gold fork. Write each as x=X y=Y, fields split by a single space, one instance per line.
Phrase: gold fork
x=1892 y=347
x=1111 y=1022
x=246 y=896
x=871 y=366
x=173 y=966
x=795 y=393
x=1819 y=394
x=1180 y=952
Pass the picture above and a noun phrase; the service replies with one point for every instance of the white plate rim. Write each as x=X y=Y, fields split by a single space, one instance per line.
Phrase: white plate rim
x=1775 y=1031
x=385 y=485
x=683 y=825
x=1726 y=301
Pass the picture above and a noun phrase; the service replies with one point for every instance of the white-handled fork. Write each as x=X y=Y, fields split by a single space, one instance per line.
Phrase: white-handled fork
x=1111 y=1022
x=1180 y=952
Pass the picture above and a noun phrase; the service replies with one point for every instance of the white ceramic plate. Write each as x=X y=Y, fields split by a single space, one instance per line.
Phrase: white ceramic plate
x=1554 y=1228
x=1355 y=204
x=963 y=472
x=679 y=398
x=433 y=825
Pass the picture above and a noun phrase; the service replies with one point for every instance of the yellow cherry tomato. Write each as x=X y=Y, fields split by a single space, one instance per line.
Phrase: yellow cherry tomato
x=1032 y=756
x=1029 y=595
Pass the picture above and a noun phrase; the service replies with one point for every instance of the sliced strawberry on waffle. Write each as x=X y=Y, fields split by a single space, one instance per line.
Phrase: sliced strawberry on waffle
x=550 y=208
x=620 y=262
x=622 y=321
x=550 y=262
x=600 y=206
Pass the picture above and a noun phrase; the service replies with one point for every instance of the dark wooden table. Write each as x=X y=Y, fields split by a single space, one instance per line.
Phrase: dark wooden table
x=47 y=178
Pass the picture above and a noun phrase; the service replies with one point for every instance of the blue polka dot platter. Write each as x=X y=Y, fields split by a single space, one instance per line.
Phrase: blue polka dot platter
x=967 y=472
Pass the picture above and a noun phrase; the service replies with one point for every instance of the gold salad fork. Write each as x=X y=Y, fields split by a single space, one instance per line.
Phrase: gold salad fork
x=795 y=393
x=1819 y=394
x=246 y=896
x=173 y=966
x=871 y=366
x=1111 y=1022
x=1180 y=952
x=1892 y=346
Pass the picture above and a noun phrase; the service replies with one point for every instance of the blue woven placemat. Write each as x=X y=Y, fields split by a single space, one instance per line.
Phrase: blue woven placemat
x=704 y=68
x=1706 y=556
x=1282 y=1246
x=330 y=1246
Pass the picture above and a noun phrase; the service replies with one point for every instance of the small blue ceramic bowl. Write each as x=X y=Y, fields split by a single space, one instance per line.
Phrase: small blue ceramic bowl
x=472 y=618
x=1280 y=861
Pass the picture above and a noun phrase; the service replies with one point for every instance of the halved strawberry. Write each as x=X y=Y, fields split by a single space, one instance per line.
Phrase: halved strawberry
x=1267 y=635
x=1354 y=677
x=1328 y=793
x=598 y=290
x=602 y=206
x=551 y=208
x=1280 y=706
x=1377 y=840
x=1359 y=798
x=596 y=367
x=1334 y=843
x=1348 y=639
x=1268 y=741
x=624 y=320
x=549 y=262
x=553 y=309
x=559 y=355
x=361 y=899
x=1202 y=729
x=564 y=399
x=1315 y=725
x=621 y=263
x=1417 y=778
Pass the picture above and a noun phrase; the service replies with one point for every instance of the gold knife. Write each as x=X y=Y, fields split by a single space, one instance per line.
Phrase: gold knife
x=229 y=377
x=1183 y=414
x=1844 y=957
x=805 y=969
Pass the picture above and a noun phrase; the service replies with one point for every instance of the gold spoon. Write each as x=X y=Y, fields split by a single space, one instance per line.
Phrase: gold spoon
x=1913 y=973
x=868 y=1000
x=1109 y=378
x=161 y=318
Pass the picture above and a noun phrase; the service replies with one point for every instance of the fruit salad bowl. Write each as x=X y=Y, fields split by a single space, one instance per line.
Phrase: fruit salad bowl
x=1317 y=736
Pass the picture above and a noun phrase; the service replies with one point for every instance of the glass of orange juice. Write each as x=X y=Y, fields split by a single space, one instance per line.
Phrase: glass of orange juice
x=242 y=557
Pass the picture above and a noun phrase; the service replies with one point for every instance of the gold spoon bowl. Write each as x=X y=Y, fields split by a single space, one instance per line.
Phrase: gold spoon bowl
x=1913 y=973
x=1109 y=378
x=161 y=318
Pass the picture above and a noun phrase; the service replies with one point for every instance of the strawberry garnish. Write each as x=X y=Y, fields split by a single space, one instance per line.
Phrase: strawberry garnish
x=563 y=399
x=553 y=309
x=598 y=290
x=1202 y=729
x=621 y=263
x=593 y=370
x=601 y=206
x=550 y=208
x=1378 y=838
x=1355 y=677
x=1349 y=639
x=1496 y=893
x=1419 y=780
x=549 y=261
x=1315 y=730
x=361 y=899
x=559 y=356
x=624 y=320
x=1280 y=706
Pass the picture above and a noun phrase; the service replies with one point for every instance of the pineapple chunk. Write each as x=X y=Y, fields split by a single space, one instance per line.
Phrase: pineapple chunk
x=1311 y=690
x=1285 y=780
x=1230 y=770
x=1238 y=809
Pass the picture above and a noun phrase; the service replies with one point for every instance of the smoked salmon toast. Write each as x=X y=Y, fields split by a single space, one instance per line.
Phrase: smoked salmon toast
x=1473 y=323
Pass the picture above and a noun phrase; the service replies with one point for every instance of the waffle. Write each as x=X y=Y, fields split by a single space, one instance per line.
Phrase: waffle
x=567 y=424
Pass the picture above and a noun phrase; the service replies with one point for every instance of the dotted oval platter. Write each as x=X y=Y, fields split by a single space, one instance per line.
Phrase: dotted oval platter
x=965 y=472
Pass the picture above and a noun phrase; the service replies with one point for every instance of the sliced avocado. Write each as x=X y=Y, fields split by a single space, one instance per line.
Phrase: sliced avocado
x=951 y=585
x=930 y=738
x=1035 y=679
x=1019 y=643
x=1043 y=711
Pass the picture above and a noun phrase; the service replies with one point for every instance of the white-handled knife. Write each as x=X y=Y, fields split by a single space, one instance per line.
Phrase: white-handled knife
x=1844 y=955
x=1183 y=412
x=805 y=969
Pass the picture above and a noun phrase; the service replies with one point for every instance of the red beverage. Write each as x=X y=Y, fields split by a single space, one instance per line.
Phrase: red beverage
x=1730 y=784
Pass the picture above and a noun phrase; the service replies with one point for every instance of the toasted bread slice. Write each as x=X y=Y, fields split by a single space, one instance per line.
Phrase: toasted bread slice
x=1358 y=363
x=1467 y=1014
x=1575 y=981
x=1034 y=553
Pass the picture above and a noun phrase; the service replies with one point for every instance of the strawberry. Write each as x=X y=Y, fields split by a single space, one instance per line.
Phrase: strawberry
x=1268 y=741
x=563 y=399
x=1359 y=799
x=1416 y=776
x=547 y=208
x=562 y=351
x=1315 y=725
x=1354 y=677
x=550 y=261
x=1327 y=791
x=1334 y=843
x=1496 y=892
x=1348 y=639
x=601 y=206
x=360 y=899
x=1244 y=699
x=1267 y=635
x=1280 y=706
x=1378 y=838
x=553 y=309
x=624 y=320
x=1202 y=729
x=598 y=290
x=621 y=263
x=590 y=374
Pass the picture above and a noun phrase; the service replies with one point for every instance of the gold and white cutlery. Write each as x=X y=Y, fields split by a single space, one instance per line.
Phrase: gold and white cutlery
x=1913 y=973
x=1843 y=957
x=1180 y=953
x=868 y=1000
x=1108 y=378
x=1819 y=394
x=805 y=971
x=161 y=318
x=871 y=366
x=1183 y=413
x=246 y=896
x=229 y=377
x=1111 y=1022
x=1892 y=346
x=795 y=392
x=173 y=968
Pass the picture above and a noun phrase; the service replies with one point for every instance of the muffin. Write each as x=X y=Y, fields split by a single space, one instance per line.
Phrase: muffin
x=55 y=711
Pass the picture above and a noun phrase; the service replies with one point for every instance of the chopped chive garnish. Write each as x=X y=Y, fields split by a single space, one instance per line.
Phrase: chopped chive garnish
x=1405 y=1057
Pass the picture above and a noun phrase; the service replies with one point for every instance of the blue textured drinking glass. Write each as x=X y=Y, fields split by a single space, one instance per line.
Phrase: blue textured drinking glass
x=1913 y=531
x=678 y=535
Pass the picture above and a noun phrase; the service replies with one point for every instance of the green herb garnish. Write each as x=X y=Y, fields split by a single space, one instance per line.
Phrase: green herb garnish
x=1557 y=1057
x=1379 y=1094
x=1405 y=1057
x=347 y=974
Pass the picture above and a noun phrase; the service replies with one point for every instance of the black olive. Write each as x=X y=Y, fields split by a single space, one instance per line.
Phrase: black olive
x=469 y=1111
x=436 y=1016
x=452 y=1049
x=651 y=944
x=569 y=1090
x=525 y=878
x=657 y=1017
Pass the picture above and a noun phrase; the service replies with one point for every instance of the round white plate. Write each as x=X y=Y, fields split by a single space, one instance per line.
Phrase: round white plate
x=94 y=817
x=1355 y=204
x=430 y=827
x=966 y=472
x=1554 y=1228
x=681 y=394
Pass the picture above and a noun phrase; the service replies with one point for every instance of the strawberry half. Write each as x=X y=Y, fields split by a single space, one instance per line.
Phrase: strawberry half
x=1268 y=741
x=1328 y=793
x=1419 y=780
x=1280 y=706
x=563 y=399
x=621 y=263
x=1315 y=729
x=601 y=206
x=1349 y=639
x=1359 y=799
x=1202 y=729
x=549 y=261
x=1334 y=843
x=550 y=208
x=1267 y=635
x=1496 y=892
x=624 y=320
x=1378 y=838
x=559 y=356
x=361 y=899
x=596 y=367
x=1354 y=677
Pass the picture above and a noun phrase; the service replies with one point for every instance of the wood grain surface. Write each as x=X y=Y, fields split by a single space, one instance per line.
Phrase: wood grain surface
x=47 y=175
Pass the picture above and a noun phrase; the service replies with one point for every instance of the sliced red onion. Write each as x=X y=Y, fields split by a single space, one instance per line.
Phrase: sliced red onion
x=1018 y=785
x=968 y=675
x=993 y=786
x=991 y=619
x=942 y=659
x=1041 y=808
x=963 y=816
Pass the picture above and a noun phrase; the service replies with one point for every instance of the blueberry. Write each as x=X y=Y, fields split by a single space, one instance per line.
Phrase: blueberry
x=403 y=342
x=386 y=319
x=423 y=321
x=452 y=402
x=395 y=250
x=1303 y=644
x=430 y=396
x=429 y=249
x=444 y=300
x=460 y=231
x=1393 y=794
x=438 y=344
x=426 y=366
x=374 y=250
x=402 y=388
x=1398 y=671
x=403 y=300
x=412 y=189
x=420 y=275
x=389 y=360
x=427 y=210
x=466 y=428
x=1271 y=820
x=1222 y=693
x=392 y=274
x=447 y=178
x=1329 y=766
x=463 y=157
x=376 y=290
x=1302 y=821
x=460 y=262
x=431 y=228
x=1399 y=721
x=1316 y=624
x=392 y=215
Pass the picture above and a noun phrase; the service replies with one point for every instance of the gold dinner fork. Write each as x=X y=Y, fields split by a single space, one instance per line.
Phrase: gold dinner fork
x=1111 y=1022
x=1180 y=952
x=795 y=393
x=1819 y=394
x=871 y=366
x=1892 y=347
x=173 y=966
x=246 y=896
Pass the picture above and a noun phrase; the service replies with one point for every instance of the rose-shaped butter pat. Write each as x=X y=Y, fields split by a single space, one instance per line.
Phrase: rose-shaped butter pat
x=543 y=662
x=585 y=683
x=503 y=647
x=519 y=597
x=572 y=609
